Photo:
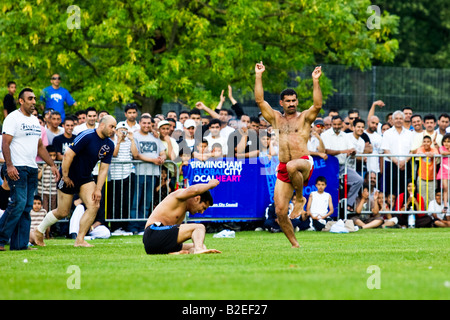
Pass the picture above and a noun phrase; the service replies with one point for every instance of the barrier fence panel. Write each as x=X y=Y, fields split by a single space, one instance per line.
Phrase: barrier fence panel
x=247 y=186
x=417 y=176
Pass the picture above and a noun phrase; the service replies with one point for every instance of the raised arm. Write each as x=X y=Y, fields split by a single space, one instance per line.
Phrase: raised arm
x=267 y=112
x=197 y=189
x=317 y=96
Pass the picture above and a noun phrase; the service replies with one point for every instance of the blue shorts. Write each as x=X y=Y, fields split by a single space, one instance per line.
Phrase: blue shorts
x=161 y=239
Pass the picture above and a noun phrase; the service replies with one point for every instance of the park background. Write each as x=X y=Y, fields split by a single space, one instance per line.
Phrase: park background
x=395 y=51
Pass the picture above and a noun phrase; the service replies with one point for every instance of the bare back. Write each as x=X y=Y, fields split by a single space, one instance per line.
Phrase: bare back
x=170 y=211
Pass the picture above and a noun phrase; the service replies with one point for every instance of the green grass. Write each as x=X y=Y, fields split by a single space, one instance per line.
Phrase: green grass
x=413 y=264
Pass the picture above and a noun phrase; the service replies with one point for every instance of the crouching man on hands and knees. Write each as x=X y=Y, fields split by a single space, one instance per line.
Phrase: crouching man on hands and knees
x=164 y=232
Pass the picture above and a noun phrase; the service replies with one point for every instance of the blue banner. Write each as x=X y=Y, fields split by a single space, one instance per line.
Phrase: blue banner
x=247 y=185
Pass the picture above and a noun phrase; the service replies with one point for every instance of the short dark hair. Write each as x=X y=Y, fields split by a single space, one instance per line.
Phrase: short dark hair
x=338 y=117
x=50 y=148
x=206 y=197
x=91 y=109
x=321 y=179
x=357 y=120
x=10 y=83
x=23 y=91
x=429 y=117
x=214 y=121
x=446 y=137
x=287 y=92
x=37 y=197
x=131 y=106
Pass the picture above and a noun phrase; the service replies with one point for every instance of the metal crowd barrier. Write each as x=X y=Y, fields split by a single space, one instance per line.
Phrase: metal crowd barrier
x=121 y=192
x=391 y=179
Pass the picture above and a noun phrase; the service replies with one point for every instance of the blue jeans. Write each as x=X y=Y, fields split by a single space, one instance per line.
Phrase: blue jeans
x=16 y=220
x=142 y=202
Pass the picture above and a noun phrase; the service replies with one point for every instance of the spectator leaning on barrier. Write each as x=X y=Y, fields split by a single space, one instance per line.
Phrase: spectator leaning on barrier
x=21 y=142
x=396 y=141
x=151 y=151
x=335 y=143
x=121 y=187
x=426 y=169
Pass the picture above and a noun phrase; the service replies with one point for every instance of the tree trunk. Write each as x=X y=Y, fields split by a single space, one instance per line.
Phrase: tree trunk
x=151 y=105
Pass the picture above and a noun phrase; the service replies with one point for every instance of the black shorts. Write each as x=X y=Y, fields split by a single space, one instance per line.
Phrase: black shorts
x=161 y=239
x=71 y=190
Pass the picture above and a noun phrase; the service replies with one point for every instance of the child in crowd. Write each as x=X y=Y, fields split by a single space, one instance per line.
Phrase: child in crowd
x=435 y=208
x=163 y=188
x=183 y=167
x=412 y=201
x=216 y=151
x=444 y=171
x=37 y=215
x=426 y=172
x=271 y=219
x=367 y=221
x=387 y=203
x=202 y=152
x=320 y=205
x=46 y=183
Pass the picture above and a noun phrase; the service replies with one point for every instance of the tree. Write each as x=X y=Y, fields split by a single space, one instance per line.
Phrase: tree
x=424 y=36
x=210 y=43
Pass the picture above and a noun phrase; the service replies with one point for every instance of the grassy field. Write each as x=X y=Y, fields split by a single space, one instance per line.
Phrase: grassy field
x=408 y=264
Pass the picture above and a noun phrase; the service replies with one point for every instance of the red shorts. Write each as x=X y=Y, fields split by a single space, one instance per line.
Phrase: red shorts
x=283 y=175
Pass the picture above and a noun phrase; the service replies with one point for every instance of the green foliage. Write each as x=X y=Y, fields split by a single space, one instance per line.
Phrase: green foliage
x=210 y=44
x=424 y=32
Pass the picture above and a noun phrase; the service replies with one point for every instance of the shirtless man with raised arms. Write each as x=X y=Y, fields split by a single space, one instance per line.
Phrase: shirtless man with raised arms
x=293 y=130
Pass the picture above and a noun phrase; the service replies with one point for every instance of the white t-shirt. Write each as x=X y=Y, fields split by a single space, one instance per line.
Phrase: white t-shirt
x=26 y=132
x=82 y=127
x=319 y=203
x=373 y=163
x=357 y=144
x=332 y=141
x=397 y=144
x=219 y=140
x=435 y=207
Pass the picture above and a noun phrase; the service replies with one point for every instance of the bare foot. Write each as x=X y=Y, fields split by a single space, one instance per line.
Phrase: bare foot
x=83 y=244
x=298 y=208
x=180 y=252
x=38 y=238
x=207 y=251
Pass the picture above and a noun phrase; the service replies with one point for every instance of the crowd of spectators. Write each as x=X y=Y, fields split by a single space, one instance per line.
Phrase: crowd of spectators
x=203 y=133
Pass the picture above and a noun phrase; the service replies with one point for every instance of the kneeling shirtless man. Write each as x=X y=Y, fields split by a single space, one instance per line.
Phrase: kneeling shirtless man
x=164 y=232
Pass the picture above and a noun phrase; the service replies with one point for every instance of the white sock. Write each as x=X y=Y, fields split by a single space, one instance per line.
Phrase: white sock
x=48 y=221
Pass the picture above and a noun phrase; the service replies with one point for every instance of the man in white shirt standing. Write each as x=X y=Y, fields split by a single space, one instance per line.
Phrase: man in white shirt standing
x=373 y=163
x=21 y=142
x=356 y=143
x=397 y=141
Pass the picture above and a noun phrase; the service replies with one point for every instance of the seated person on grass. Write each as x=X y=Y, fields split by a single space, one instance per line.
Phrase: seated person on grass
x=164 y=231
x=367 y=221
